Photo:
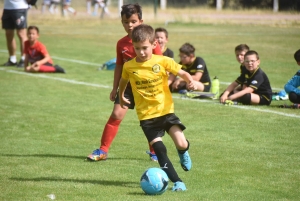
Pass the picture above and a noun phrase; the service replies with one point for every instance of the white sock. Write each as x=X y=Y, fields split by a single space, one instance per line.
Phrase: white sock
x=72 y=10
x=88 y=6
x=13 y=58
x=23 y=57
x=96 y=9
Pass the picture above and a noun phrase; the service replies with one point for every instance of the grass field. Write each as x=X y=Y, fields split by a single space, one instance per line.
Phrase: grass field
x=49 y=123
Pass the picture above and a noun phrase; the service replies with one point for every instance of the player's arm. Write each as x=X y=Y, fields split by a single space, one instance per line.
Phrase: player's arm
x=26 y=62
x=187 y=78
x=122 y=86
x=197 y=76
x=229 y=89
x=171 y=78
x=293 y=84
x=241 y=93
x=42 y=61
x=117 y=77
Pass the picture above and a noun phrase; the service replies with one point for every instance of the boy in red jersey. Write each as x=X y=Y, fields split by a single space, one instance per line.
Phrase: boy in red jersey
x=131 y=15
x=37 y=55
x=148 y=76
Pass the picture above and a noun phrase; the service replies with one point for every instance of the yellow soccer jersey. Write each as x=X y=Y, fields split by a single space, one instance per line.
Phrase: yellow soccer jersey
x=149 y=82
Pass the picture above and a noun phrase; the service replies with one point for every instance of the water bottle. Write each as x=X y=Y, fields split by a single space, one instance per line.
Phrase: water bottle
x=215 y=87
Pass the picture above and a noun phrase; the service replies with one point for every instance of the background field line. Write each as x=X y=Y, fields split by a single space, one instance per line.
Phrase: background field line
x=176 y=97
x=99 y=65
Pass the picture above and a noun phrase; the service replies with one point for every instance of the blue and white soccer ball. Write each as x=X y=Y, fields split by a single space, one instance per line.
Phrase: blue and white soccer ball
x=154 y=181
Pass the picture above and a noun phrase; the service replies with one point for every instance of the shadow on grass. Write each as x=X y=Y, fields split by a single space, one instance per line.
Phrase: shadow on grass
x=66 y=156
x=98 y=182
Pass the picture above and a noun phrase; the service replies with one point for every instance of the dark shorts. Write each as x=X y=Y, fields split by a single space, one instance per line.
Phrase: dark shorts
x=129 y=95
x=156 y=127
x=14 y=19
x=264 y=100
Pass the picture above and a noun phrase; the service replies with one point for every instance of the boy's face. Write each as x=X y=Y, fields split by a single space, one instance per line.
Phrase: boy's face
x=161 y=38
x=32 y=35
x=130 y=23
x=239 y=55
x=251 y=62
x=185 y=59
x=143 y=50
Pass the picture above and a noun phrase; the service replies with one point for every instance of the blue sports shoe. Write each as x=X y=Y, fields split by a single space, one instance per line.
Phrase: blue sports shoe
x=179 y=186
x=185 y=161
x=153 y=156
x=97 y=155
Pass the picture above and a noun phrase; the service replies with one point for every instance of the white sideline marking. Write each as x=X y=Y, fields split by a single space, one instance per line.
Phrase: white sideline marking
x=104 y=86
x=99 y=65
x=64 y=59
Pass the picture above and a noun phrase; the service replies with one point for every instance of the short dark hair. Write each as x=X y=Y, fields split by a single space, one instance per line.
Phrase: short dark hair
x=160 y=29
x=297 y=55
x=187 y=49
x=33 y=27
x=252 y=52
x=142 y=33
x=242 y=47
x=129 y=9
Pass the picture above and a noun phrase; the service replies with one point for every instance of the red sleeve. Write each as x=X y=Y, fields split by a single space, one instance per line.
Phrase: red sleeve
x=157 y=50
x=119 y=60
x=26 y=45
x=43 y=49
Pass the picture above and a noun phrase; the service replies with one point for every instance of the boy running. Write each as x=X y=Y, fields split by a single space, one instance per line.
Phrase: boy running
x=131 y=15
x=147 y=74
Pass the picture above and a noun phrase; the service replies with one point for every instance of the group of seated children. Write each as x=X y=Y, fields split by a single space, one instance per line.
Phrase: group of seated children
x=252 y=86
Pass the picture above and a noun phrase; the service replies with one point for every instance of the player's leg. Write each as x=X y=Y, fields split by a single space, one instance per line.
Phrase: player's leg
x=154 y=130
x=22 y=38
x=294 y=98
x=199 y=86
x=182 y=146
x=11 y=47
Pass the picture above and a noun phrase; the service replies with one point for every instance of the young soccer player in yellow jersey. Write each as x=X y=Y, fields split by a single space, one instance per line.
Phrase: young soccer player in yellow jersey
x=147 y=74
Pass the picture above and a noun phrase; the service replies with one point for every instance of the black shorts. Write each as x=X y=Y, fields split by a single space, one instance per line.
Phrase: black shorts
x=14 y=19
x=129 y=95
x=264 y=100
x=156 y=127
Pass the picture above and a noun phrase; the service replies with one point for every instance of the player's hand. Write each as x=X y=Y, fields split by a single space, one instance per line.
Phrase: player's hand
x=113 y=95
x=192 y=86
x=223 y=98
x=123 y=102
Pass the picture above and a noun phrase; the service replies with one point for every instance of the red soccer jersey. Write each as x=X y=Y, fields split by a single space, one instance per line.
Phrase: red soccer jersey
x=35 y=52
x=125 y=50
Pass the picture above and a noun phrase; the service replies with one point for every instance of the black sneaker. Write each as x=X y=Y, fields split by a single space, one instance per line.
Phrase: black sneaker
x=20 y=64
x=59 y=69
x=9 y=63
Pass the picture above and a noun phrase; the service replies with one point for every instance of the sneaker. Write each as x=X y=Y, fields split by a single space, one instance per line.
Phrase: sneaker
x=179 y=186
x=97 y=155
x=9 y=63
x=185 y=161
x=153 y=156
x=230 y=102
x=20 y=64
x=59 y=69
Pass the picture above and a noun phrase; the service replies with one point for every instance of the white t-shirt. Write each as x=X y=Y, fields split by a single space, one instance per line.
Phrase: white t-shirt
x=15 y=4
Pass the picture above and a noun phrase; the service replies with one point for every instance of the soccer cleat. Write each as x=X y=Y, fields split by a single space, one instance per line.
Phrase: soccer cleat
x=153 y=156
x=9 y=63
x=97 y=155
x=230 y=102
x=185 y=161
x=59 y=69
x=20 y=64
x=179 y=186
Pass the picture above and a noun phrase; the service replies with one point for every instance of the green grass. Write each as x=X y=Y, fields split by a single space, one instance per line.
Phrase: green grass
x=49 y=126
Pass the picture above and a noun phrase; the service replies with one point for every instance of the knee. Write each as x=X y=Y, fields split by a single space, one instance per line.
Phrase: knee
x=293 y=97
x=245 y=99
